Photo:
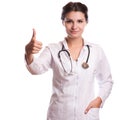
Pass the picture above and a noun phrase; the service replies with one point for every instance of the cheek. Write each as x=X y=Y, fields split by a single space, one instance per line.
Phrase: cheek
x=68 y=28
x=67 y=31
x=82 y=26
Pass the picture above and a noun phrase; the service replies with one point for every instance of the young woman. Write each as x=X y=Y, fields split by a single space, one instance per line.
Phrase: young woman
x=75 y=64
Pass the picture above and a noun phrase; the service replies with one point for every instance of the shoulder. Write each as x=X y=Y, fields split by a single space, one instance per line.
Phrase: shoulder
x=54 y=47
x=94 y=46
x=96 y=49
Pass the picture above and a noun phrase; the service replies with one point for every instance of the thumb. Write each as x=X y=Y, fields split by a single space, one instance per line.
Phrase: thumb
x=33 y=35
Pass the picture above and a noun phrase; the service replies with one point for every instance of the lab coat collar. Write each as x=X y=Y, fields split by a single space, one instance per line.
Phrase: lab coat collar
x=87 y=43
x=65 y=44
x=84 y=47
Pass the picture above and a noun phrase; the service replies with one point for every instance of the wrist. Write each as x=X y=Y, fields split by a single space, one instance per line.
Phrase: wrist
x=29 y=58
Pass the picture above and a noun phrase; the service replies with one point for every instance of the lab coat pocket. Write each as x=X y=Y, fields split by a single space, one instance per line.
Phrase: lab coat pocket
x=93 y=114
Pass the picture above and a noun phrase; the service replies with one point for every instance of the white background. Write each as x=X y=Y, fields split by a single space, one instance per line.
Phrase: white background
x=26 y=97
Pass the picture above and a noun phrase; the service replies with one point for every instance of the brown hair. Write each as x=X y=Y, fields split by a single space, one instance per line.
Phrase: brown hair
x=74 y=6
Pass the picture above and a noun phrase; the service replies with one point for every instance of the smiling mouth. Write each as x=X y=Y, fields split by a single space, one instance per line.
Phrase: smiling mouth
x=74 y=32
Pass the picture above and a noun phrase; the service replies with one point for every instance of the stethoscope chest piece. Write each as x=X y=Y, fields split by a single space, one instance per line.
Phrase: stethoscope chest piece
x=85 y=65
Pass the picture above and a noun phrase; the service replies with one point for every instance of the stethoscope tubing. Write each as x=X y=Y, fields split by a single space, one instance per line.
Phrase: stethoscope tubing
x=84 y=64
x=88 y=53
x=59 y=56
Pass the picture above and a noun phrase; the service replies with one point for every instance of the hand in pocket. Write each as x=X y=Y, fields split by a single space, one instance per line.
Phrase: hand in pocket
x=94 y=104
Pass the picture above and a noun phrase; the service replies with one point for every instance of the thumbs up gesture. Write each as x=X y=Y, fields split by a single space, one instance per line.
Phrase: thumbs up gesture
x=32 y=47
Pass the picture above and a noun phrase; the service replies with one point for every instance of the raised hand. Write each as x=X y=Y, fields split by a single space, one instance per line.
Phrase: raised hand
x=33 y=47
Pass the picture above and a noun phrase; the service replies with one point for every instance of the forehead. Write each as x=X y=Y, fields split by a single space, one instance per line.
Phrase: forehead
x=75 y=15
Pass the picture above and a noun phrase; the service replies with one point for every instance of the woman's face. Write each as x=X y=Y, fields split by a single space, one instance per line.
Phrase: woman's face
x=74 y=23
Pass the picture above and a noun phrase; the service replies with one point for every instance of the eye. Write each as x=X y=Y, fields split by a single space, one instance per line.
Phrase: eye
x=68 y=21
x=80 y=21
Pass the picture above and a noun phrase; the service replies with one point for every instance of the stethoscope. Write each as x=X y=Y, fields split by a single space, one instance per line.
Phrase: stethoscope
x=84 y=64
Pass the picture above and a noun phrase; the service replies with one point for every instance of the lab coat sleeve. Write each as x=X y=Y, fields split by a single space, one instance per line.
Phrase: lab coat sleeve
x=41 y=63
x=104 y=77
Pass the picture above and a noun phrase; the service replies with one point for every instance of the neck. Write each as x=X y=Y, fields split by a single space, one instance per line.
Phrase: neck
x=75 y=42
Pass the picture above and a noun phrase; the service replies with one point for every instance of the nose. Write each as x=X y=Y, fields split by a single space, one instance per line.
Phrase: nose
x=74 y=25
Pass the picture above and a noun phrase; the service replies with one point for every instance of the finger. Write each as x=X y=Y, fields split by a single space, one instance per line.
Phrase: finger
x=87 y=109
x=34 y=35
x=39 y=43
x=37 y=47
x=36 y=44
x=36 y=50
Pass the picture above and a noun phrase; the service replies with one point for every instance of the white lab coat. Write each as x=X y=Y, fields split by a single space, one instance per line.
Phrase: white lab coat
x=72 y=93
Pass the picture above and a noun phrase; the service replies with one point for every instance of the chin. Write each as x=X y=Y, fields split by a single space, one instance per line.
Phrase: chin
x=75 y=36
